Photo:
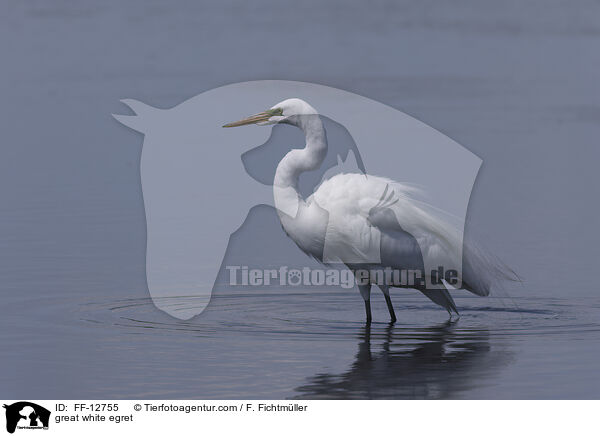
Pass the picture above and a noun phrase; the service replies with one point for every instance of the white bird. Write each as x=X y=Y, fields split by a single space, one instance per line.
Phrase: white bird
x=367 y=222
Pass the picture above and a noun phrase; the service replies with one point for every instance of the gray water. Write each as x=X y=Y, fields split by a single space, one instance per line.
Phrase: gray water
x=514 y=82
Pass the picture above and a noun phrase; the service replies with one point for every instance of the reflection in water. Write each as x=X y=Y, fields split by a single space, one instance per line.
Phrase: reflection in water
x=431 y=363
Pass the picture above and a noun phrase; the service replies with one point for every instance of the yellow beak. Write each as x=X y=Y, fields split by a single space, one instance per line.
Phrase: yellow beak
x=263 y=116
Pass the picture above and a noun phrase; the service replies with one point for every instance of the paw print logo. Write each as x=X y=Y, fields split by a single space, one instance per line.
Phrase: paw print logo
x=294 y=277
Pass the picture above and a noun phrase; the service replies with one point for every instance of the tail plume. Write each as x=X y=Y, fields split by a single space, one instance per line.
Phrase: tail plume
x=481 y=271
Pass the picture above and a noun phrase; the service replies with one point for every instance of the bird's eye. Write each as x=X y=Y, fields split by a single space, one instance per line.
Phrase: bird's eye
x=276 y=112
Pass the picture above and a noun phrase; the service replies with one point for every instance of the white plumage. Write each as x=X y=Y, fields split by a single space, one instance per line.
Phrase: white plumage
x=351 y=200
x=369 y=222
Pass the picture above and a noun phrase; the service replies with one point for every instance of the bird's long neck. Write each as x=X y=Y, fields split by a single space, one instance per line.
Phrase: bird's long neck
x=308 y=158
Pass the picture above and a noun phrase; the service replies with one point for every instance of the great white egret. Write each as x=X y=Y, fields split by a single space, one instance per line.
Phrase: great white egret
x=367 y=222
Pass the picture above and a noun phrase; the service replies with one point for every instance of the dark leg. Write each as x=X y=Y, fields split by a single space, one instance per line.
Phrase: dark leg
x=386 y=293
x=388 y=300
x=365 y=292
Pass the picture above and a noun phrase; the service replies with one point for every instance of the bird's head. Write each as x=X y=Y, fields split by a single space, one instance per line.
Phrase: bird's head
x=287 y=111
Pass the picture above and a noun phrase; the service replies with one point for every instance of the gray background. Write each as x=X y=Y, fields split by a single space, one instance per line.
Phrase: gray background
x=514 y=82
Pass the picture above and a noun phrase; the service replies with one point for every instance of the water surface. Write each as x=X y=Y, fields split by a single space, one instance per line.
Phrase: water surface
x=514 y=82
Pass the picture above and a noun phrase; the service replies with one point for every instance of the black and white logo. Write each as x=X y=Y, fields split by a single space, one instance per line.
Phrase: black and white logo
x=26 y=415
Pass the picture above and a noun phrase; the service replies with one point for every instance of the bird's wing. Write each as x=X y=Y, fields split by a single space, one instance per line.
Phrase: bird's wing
x=368 y=211
x=439 y=239
x=376 y=220
x=410 y=226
